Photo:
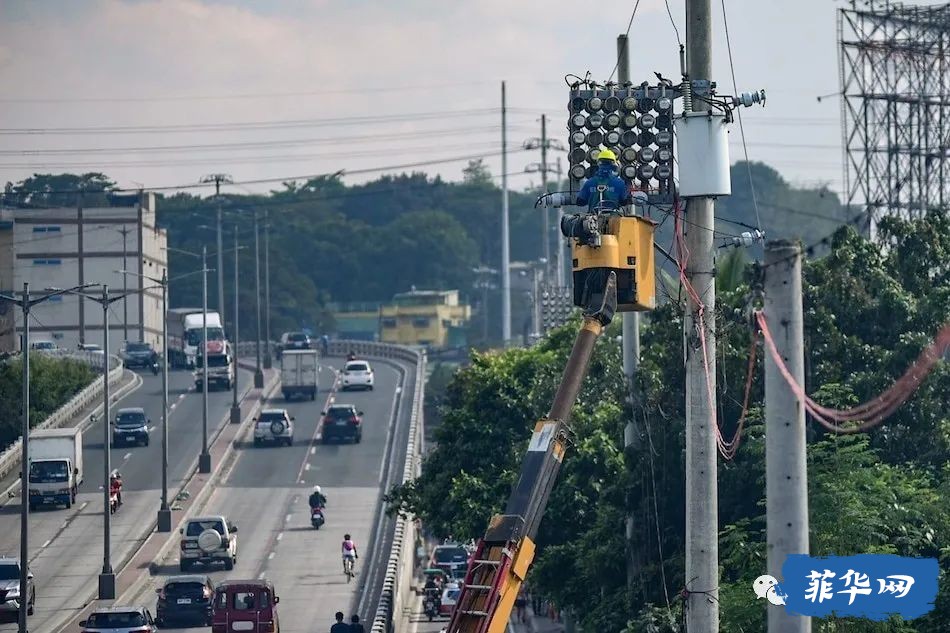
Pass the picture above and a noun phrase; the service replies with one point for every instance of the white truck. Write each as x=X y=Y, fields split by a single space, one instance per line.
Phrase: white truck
x=55 y=470
x=220 y=369
x=185 y=333
x=298 y=373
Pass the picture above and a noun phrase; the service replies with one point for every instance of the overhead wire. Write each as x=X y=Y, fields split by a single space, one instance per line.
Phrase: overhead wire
x=735 y=87
x=627 y=34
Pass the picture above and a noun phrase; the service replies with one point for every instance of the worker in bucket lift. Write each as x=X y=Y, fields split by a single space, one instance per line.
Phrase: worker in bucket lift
x=605 y=189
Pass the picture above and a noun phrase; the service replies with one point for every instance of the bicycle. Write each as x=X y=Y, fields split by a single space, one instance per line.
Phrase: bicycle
x=348 y=570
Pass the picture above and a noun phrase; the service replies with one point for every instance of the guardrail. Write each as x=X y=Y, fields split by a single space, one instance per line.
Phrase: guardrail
x=398 y=578
x=10 y=458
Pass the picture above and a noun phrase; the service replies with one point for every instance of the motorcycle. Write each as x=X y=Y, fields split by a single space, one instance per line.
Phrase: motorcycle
x=155 y=368
x=431 y=605
x=113 y=501
x=316 y=517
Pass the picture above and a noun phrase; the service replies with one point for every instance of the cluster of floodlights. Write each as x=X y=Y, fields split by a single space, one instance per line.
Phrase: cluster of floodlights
x=636 y=123
x=557 y=305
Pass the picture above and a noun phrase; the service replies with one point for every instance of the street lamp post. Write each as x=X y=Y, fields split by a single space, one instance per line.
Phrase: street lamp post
x=258 y=372
x=204 y=459
x=267 y=333
x=107 y=576
x=235 y=408
x=164 y=519
x=26 y=304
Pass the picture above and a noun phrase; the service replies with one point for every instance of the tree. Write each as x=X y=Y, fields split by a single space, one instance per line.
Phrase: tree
x=477 y=173
x=869 y=310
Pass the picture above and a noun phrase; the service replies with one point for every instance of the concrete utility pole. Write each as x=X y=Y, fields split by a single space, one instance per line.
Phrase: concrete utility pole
x=125 y=283
x=81 y=261
x=563 y=277
x=545 y=221
x=235 y=408
x=204 y=459
x=25 y=461
x=268 y=363
x=217 y=179
x=505 y=263
x=702 y=501
x=258 y=372
x=630 y=340
x=164 y=519
x=786 y=478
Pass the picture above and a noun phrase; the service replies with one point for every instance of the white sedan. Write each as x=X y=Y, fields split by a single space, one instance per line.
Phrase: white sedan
x=356 y=374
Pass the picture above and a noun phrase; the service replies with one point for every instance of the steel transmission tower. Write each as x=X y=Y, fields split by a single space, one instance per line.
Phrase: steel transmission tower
x=895 y=109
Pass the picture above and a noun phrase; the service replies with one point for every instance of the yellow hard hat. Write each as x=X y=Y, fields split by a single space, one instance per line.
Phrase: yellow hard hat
x=606 y=154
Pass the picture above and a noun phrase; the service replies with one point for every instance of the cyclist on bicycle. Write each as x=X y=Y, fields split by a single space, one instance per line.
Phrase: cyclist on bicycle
x=349 y=551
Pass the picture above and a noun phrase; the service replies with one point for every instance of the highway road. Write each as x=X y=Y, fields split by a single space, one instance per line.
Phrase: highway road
x=66 y=546
x=265 y=490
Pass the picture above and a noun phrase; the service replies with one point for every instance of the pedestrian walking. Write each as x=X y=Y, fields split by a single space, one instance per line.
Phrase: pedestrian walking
x=340 y=626
x=355 y=626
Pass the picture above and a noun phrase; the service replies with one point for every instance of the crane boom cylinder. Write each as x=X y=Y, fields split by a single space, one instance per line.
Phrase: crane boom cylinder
x=505 y=553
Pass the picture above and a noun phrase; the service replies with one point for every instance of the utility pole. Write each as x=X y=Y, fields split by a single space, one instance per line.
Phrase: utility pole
x=80 y=238
x=125 y=284
x=545 y=229
x=563 y=278
x=702 y=501
x=235 y=408
x=786 y=478
x=630 y=342
x=505 y=263
x=217 y=179
x=204 y=459
x=268 y=363
x=258 y=372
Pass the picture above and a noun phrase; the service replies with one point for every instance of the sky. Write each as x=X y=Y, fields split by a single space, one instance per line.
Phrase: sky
x=428 y=73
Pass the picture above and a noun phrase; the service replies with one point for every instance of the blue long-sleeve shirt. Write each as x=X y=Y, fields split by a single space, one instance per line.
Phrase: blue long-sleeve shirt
x=615 y=195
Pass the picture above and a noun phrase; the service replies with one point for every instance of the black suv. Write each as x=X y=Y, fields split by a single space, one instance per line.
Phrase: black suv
x=130 y=427
x=10 y=587
x=343 y=422
x=138 y=355
x=184 y=599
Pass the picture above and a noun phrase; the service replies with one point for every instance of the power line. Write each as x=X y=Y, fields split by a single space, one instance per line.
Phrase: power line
x=252 y=125
x=241 y=96
x=627 y=34
x=330 y=140
x=245 y=160
x=281 y=179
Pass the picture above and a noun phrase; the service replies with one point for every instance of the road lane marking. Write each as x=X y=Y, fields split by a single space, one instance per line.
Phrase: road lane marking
x=181 y=396
x=306 y=466
x=280 y=535
x=261 y=576
x=287 y=518
x=271 y=555
x=313 y=450
x=46 y=544
x=83 y=506
x=151 y=428
x=127 y=455
x=65 y=524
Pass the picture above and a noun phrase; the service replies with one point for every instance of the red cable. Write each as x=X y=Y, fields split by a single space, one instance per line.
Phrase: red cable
x=874 y=411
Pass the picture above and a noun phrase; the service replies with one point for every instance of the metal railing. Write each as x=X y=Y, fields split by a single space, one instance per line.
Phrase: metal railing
x=10 y=458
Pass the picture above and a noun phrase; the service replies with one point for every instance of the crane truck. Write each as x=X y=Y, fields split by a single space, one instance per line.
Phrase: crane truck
x=613 y=271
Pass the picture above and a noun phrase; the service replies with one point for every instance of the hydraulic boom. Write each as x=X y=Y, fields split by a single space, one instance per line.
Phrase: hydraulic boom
x=504 y=554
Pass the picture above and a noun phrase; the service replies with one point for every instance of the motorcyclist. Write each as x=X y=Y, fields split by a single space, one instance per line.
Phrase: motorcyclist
x=348 y=549
x=614 y=193
x=432 y=590
x=351 y=356
x=325 y=344
x=317 y=498
x=115 y=486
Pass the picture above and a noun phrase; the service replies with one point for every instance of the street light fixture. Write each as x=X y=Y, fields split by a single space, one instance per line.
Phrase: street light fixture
x=204 y=458
x=107 y=576
x=26 y=304
x=164 y=520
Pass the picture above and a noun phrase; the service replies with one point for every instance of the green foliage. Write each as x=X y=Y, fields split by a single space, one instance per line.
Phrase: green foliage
x=869 y=311
x=53 y=382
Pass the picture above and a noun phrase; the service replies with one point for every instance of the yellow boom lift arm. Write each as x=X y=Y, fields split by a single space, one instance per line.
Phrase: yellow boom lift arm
x=623 y=251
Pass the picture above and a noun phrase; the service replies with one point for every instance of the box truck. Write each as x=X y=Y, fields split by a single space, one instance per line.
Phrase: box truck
x=298 y=373
x=55 y=469
x=184 y=334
